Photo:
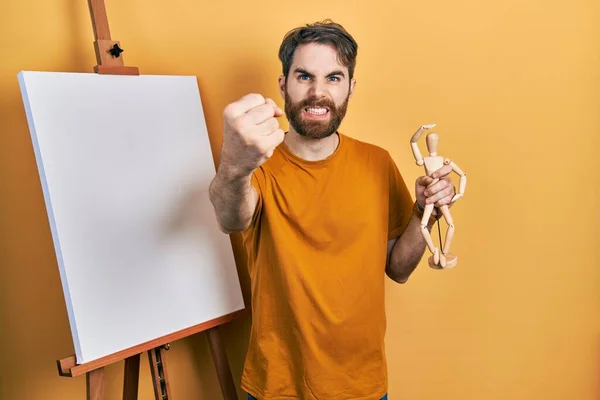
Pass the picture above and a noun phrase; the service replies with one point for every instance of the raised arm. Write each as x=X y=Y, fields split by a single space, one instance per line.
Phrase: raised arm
x=462 y=183
x=234 y=200
x=413 y=142
x=250 y=134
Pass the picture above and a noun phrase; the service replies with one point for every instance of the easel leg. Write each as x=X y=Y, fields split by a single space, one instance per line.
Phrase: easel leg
x=131 y=378
x=158 y=369
x=221 y=364
x=95 y=384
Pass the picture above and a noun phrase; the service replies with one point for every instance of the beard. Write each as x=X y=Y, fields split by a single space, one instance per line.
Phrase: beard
x=315 y=129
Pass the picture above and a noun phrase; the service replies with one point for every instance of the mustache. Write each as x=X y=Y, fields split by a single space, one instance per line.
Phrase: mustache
x=317 y=102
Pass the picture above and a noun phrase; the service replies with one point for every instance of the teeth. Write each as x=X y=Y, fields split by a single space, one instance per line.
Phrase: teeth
x=316 y=110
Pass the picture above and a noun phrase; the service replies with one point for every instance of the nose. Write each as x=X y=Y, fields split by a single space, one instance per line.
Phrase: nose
x=318 y=88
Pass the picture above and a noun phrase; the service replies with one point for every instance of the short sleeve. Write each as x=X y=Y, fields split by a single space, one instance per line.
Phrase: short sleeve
x=400 y=202
x=258 y=183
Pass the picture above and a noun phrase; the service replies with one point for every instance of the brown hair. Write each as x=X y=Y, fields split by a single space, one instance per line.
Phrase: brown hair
x=323 y=32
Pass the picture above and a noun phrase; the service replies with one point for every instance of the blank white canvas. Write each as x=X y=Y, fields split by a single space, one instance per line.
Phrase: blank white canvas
x=125 y=164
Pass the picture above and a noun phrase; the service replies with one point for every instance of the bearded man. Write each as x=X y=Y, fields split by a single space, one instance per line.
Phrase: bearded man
x=324 y=219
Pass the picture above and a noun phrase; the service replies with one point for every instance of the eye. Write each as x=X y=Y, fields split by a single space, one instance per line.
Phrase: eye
x=334 y=78
x=303 y=77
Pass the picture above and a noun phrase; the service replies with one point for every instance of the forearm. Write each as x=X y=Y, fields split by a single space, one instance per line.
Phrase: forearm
x=234 y=200
x=407 y=252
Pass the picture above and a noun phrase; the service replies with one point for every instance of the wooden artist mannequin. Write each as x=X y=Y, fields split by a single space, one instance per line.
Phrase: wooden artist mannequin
x=432 y=164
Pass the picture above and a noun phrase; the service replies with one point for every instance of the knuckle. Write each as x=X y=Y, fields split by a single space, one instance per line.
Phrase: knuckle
x=242 y=105
x=274 y=124
x=253 y=100
x=280 y=135
x=229 y=110
x=260 y=146
x=250 y=141
x=256 y=97
x=238 y=125
x=243 y=125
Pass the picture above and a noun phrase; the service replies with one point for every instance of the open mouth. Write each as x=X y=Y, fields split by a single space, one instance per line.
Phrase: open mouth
x=316 y=111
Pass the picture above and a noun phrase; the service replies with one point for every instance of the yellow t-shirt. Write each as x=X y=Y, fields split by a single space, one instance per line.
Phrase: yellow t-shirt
x=317 y=254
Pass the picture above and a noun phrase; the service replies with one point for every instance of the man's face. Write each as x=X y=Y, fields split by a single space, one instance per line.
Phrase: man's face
x=316 y=91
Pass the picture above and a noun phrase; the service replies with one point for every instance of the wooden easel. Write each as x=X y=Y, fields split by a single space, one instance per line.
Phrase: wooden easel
x=156 y=350
x=110 y=61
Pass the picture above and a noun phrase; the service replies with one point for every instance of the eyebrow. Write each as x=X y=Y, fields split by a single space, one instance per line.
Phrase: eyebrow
x=305 y=72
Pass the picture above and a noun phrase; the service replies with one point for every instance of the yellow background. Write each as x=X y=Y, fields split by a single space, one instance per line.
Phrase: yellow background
x=514 y=88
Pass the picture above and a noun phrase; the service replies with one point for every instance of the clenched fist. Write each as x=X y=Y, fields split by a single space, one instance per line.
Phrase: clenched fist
x=251 y=134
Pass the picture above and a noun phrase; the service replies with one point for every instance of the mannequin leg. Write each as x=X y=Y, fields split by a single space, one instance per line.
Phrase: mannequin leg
x=434 y=250
x=446 y=256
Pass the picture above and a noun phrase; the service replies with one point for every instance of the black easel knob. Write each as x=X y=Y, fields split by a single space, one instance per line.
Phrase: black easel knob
x=116 y=51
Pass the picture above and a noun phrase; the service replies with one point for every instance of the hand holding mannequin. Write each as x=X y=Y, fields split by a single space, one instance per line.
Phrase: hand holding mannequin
x=436 y=167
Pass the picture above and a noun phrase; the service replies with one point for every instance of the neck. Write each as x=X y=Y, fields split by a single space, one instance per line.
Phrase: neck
x=311 y=149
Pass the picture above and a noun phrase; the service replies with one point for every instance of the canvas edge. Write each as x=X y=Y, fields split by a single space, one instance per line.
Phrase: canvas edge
x=22 y=77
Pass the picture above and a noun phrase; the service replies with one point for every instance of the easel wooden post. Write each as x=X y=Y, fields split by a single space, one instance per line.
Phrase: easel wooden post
x=110 y=61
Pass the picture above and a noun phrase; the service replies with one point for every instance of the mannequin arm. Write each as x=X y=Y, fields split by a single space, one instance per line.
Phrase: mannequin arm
x=462 y=184
x=417 y=153
x=413 y=143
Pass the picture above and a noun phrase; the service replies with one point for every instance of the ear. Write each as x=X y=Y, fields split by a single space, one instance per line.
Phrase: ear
x=282 y=86
x=352 y=85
